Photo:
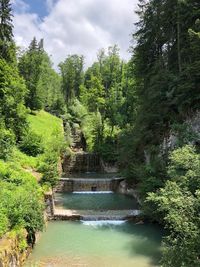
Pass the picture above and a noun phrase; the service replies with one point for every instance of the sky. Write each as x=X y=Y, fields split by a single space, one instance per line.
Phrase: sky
x=75 y=26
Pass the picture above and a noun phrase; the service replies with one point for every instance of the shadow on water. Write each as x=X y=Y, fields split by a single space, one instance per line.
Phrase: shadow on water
x=146 y=240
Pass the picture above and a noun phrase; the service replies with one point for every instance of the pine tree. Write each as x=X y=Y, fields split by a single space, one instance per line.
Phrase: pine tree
x=30 y=68
x=6 y=26
x=41 y=45
x=6 y=30
x=33 y=45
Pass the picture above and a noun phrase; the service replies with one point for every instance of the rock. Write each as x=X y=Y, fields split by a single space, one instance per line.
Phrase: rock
x=126 y=190
x=10 y=252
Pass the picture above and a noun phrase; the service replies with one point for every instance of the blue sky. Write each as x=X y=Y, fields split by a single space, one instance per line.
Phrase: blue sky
x=38 y=6
x=75 y=26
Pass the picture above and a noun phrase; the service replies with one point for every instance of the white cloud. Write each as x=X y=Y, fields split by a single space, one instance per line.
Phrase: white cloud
x=20 y=6
x=26 y=27
x=50 y=4
x=78 y=26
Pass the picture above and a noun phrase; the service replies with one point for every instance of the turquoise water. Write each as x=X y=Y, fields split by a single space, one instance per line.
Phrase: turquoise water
x=101 y=201
x=97 y=244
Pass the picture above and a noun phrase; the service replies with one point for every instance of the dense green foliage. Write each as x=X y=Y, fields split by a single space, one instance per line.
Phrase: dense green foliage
x=104 y=102
x=16 y=207
x=25 y=144
x=42 y=82
x=165 y=87
x=31 y=144
x=29 y=66
x=7 y=46
x=72 y=75
x=137 y=113
x=165 y=66
x=12 y=93
x=178 y=204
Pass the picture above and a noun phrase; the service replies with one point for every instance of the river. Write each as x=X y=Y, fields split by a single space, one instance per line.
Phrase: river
x=97 y=244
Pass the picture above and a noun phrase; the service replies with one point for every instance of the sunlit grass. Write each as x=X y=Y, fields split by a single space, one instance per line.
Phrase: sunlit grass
x=45 y=125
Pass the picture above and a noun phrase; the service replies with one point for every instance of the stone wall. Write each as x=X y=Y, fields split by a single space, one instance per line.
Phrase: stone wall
x=49 y=203
x=10 y=252
x=65 y=185
x=81 y=162
x=83 y=184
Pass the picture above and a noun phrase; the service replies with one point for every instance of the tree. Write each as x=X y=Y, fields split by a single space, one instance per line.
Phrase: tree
x=32 y=65
x=177 y=204
x=49 y=85
x=165 y=64
x=6 y=31
x=72 y=76
x=12 y=94
x=93 y=95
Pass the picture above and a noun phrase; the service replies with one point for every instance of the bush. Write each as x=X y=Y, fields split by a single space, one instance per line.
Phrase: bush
x=22 y=211
x=108 y=150
x=4 y=223
x=32 y=144
x=50 y=169
x=7 y=141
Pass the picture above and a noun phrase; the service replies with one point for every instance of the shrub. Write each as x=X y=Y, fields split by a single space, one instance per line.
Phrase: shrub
x=4 y=223
x=50 y=169
x=7 y=141
x=32 y=144
x=22 y=211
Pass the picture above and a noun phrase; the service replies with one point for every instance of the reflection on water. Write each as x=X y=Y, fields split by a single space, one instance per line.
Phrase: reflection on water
x=101 y=201
x=124 y=244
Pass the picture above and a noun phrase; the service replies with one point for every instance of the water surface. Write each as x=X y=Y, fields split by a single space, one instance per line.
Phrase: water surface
x=100 y=201
x=97 y=244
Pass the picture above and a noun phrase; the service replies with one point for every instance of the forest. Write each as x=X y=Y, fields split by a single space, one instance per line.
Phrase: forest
x=142 y=114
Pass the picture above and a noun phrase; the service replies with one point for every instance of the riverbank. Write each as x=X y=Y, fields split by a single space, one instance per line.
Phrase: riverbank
x=14 y=249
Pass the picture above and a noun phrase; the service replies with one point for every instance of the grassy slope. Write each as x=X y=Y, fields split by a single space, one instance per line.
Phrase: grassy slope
x=45 y=125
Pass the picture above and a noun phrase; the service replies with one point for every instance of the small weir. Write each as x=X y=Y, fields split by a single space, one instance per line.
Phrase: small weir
x=88 y=184
x=83 y=198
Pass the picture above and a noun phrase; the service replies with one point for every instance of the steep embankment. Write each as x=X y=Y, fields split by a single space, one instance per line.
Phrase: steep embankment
x=19 y=176
x=46 y=125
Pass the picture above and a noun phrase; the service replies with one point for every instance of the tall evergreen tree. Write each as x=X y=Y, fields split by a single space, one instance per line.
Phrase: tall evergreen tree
x=30 y=68
x=12 y=88
x=6 y=31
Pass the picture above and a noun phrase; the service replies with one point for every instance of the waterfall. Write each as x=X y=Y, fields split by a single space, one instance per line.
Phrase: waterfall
x=81 y=162
x=111 y=216
x=106 y=218
x=103 y=222
x=93 y=192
